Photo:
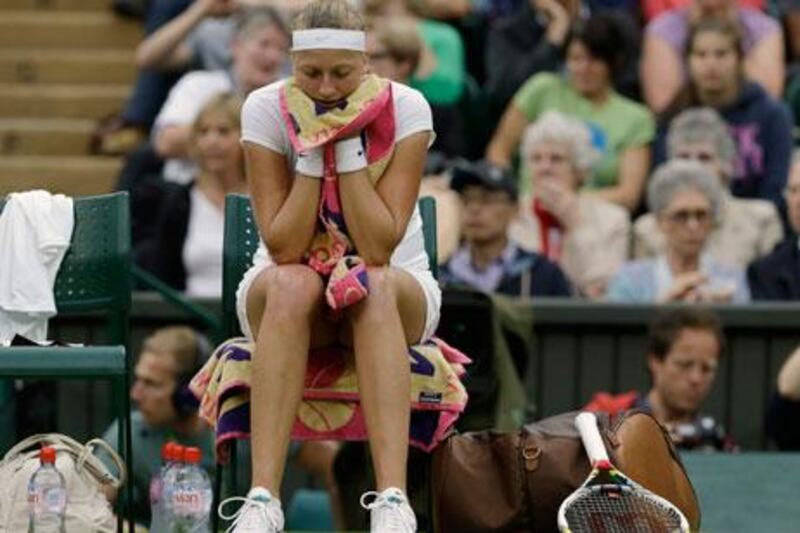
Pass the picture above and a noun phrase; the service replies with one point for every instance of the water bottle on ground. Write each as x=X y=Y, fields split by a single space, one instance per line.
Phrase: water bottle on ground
x=193 y=496
x=159 y=522
x=169 y=482
x=47 y=496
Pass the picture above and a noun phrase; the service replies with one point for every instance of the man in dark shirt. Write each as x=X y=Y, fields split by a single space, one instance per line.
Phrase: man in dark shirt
x=487 y=260
x=777 y=275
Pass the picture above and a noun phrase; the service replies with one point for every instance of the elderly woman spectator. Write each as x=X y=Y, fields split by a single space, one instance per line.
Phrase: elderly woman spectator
x=686 y=199
x=746 y=229
x=760 y=125
x=586 y=235
x=620 y=128
x=663 y=70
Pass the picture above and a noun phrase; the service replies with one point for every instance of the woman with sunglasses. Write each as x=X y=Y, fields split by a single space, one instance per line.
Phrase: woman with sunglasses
x=748 y=228
x=685 y=198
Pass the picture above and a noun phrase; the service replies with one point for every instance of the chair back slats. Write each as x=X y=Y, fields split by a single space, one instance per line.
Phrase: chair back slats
x=95 y=272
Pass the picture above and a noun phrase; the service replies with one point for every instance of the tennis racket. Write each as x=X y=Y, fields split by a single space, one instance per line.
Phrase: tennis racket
x=609 y=502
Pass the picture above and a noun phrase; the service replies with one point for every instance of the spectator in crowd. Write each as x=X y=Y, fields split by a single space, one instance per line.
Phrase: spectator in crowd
x=531 y=40
x=200 y=36
x=621 y=129
x=166 y=409
x=119 y=134
x=685 y=198
x=668 y=37
x=651 y=9
x=440 y=71
x=488 y=260
x=259 y=51
x=761 y=126
x=186 y=250
x=586 y=235
x=777 y=276
x=394 y=47
x=783 y=414
x=684 y=349
x=747 y=228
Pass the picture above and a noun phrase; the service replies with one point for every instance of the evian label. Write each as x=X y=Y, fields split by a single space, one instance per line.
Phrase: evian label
x=187 y=502
x=52 y=500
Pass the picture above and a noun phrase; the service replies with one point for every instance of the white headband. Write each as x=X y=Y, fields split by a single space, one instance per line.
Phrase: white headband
x=329 y=39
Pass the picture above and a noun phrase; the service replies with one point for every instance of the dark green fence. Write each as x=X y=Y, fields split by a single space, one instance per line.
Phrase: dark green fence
x=579 y=348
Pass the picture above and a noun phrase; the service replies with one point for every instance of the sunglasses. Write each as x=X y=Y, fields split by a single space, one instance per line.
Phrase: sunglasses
x=682 y=216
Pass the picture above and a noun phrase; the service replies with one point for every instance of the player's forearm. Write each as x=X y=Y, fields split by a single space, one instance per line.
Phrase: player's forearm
x=370 y=224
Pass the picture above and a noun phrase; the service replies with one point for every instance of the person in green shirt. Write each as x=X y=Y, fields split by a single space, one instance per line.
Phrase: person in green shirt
x=166 y=410
x=621 y=129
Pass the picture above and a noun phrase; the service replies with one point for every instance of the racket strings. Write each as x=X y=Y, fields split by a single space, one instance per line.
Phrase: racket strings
x=614 y=511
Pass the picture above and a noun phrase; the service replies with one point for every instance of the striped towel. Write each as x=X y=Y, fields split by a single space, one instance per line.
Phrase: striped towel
x=330 y=409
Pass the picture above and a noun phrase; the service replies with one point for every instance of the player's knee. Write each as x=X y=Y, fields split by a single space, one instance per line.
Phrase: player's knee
x=292 y=290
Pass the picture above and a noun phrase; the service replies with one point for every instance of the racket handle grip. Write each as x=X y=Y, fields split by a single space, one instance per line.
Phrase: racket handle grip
x=586 y=423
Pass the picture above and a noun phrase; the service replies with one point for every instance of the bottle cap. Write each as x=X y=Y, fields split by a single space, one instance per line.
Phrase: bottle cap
x=48 y=455
x=168 y=451
x=193 y=455
x=178 y=453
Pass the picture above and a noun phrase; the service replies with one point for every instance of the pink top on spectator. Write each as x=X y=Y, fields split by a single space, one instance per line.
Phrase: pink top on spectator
x=653 y=8
x=673 y=27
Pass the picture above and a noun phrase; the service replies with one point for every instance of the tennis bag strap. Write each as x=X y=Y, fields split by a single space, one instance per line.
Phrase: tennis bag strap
x=488 y=481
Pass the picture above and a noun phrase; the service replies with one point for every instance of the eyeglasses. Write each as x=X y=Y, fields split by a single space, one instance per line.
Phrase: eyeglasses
x=703 y=157
x=682 y=216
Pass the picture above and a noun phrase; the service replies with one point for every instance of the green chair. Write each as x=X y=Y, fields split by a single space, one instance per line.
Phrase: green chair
x=94 y=277
x=241 y=242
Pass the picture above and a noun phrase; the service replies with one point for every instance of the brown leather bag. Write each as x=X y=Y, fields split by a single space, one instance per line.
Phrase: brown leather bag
x=488 y=481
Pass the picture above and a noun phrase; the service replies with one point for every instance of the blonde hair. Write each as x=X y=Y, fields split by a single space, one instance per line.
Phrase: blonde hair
x=227 y=104
x=566 y=131
x=401 y=38
x=338 y=14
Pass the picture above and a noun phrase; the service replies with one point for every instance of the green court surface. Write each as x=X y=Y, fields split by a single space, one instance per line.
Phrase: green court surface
x=747 y=492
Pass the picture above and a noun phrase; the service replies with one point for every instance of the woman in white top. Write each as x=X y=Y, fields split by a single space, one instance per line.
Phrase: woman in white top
x=186 y=250
x=280 y=300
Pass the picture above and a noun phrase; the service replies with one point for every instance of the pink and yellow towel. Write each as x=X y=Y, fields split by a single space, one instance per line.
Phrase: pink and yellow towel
x=330 y=408
x=369 y=113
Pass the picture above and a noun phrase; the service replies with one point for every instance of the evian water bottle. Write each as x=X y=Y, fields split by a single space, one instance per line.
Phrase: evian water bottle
x=159 y=522
x=191 y=501
x=47 y=496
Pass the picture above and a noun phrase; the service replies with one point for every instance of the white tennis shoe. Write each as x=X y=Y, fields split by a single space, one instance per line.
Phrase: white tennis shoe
x=259 y=513
x=390 y=512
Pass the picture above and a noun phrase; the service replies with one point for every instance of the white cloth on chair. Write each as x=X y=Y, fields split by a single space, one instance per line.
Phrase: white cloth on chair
x=35 y=232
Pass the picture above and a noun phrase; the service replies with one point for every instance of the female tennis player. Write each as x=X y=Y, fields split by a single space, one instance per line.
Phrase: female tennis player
x=334 y=159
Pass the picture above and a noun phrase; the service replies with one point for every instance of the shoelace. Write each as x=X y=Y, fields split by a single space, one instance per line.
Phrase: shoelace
x=392 y=520
x=247 y=504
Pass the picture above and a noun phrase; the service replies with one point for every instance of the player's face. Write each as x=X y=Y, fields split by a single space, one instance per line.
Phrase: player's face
x=684 y=377
x=328 y=76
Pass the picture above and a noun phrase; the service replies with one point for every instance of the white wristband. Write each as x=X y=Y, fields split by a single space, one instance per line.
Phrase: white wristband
x=350 y=155
x=310 y=163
